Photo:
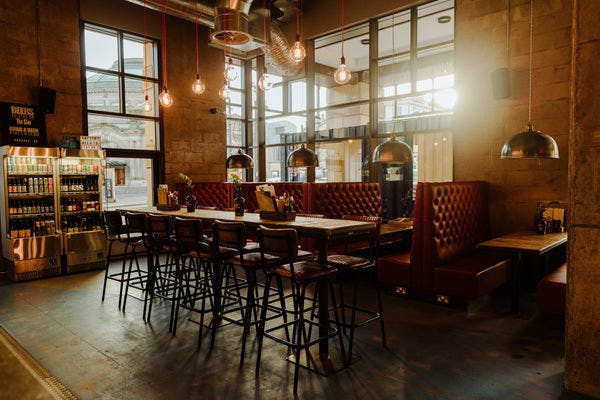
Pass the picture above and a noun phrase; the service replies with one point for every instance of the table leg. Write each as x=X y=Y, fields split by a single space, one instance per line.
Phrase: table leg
x=515 y=286
x=323 y=305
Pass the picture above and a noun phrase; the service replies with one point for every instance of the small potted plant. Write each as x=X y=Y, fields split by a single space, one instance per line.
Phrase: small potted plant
x=190 y=199
x=238 y=201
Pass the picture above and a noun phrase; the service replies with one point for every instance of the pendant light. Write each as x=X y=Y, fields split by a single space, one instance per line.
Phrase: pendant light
x=392 y=150
x=302 y=157
x=164 y=97
x=224 y=92
x=530 y=143
x=297 y=51
x=264 y=82
x=342 y=74
x=230 y=73
x=197 y=87
x=239 y=161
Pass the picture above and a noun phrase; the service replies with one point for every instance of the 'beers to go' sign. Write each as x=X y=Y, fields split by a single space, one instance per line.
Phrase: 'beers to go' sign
x=22 y=125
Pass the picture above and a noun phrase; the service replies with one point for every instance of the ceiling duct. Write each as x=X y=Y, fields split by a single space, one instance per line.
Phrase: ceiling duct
x=231 y=22
x=278 y=53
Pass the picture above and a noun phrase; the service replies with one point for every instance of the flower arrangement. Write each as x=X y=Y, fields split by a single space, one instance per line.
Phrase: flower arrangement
x=237 y=180
x=184 y=178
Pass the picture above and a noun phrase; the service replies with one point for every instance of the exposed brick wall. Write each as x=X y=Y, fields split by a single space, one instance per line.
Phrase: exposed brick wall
x=482 y=124
x=60 y=61
x=194 y=139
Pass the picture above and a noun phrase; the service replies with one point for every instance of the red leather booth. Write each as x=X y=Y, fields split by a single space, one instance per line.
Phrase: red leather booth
x=551 y=296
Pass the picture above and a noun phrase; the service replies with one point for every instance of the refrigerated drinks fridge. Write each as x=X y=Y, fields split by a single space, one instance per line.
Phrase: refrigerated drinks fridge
x=31 y=240
x=80 y=204
x=50 y=211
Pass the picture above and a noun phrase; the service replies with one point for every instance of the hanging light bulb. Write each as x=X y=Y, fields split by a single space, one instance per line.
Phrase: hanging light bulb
x=146 y=105
x=230 y=73
x=198 y=87
x=224 y=91
x=264 y=82
x=297 y=51
x=342 y=74
x=165 y=98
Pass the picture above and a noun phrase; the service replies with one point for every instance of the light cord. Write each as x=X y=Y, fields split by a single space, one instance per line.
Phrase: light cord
x=164 y=44
x=530 y=54
x=144 y=53
x=197 y=66
x=265 y=34
x=342 y=28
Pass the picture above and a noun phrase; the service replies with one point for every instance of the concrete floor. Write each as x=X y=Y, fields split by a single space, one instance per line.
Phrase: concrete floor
x=435 y=352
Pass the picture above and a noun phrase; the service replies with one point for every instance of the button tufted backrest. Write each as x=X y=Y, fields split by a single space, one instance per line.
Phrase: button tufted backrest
x=213 y=194
x=297 y=189
x=335 y=199
x=455 y=220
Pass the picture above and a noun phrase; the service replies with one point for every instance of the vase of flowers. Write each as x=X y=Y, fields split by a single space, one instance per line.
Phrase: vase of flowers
x=238 y=201
x=190 y=199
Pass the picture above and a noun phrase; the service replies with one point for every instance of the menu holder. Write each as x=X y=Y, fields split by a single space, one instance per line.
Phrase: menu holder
x=278 y=216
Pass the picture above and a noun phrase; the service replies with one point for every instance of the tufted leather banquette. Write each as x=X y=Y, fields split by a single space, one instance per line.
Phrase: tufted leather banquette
x=450 y=219
x=335 y=199
x=213 y=194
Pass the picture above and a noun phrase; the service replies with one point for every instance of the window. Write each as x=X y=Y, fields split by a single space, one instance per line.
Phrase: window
x=121 y=70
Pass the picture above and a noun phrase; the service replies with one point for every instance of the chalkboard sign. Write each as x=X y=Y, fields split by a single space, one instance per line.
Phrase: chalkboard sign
x=22 y=125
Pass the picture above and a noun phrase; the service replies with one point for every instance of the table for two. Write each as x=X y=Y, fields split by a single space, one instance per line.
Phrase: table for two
x=521 y=244
x=322 y=229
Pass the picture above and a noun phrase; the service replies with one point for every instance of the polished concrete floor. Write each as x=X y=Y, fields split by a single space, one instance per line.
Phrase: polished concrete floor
x=434 y=352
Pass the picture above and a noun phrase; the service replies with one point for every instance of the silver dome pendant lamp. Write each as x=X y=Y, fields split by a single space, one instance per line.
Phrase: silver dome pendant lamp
x=530 y=143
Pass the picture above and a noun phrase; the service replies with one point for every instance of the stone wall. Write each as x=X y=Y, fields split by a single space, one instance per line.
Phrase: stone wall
x=582 y=356
x=482 y=124
x=194 y=139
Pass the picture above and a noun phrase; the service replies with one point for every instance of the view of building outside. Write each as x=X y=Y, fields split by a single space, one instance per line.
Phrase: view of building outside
x=116 y=87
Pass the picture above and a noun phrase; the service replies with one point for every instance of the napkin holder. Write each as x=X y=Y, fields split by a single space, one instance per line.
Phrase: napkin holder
x=278 y=216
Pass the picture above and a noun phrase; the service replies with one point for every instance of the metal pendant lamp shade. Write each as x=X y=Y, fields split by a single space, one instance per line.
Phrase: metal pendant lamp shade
x=239 y=160
x=302 y=157
x=530 y=144
x=392 y=151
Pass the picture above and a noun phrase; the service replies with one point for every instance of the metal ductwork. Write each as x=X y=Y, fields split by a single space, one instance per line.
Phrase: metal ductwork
x=231 y=22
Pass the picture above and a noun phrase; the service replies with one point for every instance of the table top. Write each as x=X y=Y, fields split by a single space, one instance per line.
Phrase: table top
x=393 y=229
x=307 y=225
x=526 y=241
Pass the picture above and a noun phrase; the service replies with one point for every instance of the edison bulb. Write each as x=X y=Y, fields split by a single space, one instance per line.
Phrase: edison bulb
x=165 y=98
x=297 y=51
x=146 y=105
x=230 y=72
x=198 y=87
x=224 y=92
x=342 y=74
x=264 y=82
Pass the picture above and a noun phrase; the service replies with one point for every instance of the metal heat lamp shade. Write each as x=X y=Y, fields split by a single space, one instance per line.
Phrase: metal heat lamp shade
x=239 y=160
x=392 y=151
x=530 y=144
x=302 y=157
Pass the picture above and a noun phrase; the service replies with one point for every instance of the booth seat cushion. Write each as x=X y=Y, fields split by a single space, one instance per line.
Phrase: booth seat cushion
x=335 y=199
x=394 y=269
x=213 y=194
x=552 y=292
x=473 y=275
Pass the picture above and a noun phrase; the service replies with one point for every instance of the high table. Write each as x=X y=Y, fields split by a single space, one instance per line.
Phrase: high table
x=323 y=229
x=520 y=244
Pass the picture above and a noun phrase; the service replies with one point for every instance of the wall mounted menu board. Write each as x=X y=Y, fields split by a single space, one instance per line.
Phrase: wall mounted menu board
x=22 y=125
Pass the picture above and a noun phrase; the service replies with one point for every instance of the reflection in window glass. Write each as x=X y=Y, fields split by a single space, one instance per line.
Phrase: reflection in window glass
x=342 y=122
x=277 y=170
x=236 y=133
x=135 y=96
x=274 y=98
x=297 y=96
x=340 y=161
x=123 y=132
x=288 y=129
x=128 y=183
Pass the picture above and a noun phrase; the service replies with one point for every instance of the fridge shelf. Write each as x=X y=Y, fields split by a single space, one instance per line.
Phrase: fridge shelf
x=49 y=174
x=29 y=195
x=31 y=215
x=83 y=192
x=72 y=213
x=74 y=174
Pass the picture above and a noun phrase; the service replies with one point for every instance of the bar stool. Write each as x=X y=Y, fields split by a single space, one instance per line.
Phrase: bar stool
x=193 y=258
x=353 y=266
x=162 y=281
x=246 y=256
x=282 y=243
x=135 y=231
x=113 y=229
